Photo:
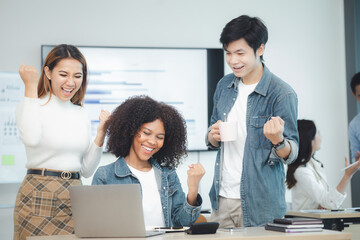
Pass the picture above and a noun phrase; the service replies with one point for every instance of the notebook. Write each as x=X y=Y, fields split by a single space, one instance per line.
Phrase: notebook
x=291 y=230
x=298 y=220
x=108 y=211
x=291 y=226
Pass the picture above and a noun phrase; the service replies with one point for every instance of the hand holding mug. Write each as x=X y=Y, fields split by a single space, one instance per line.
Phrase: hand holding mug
x=215 y=132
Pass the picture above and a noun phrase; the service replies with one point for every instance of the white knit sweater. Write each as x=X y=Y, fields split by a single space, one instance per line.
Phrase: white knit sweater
x=57 y=135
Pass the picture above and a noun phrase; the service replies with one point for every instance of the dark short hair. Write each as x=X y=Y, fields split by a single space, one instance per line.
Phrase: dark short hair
x=307 y=131
x=127 y=119
x=58 y=53
x=354 y=82
x=252 y=29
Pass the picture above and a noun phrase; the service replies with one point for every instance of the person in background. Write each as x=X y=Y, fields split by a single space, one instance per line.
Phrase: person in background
x=248 y=187
x=354 y=126
x=55 y=130
x=149 y=139
x=310 y=189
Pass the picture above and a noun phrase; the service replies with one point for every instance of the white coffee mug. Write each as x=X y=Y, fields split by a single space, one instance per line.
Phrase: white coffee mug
x=228 y=131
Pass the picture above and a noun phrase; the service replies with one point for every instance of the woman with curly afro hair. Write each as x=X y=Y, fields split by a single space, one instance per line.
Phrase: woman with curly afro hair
x=149 y=140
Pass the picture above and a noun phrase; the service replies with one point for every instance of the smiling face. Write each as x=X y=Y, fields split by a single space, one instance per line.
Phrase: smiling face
x=66 y=78
x=242 y=60
x=148 y=141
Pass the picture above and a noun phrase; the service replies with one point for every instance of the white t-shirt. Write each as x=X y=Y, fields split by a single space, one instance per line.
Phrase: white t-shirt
x=234 y=150
x=151 y=200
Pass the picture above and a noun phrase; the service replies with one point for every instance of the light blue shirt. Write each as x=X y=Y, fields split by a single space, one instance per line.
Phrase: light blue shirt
x=262 y=184
x=354 y=136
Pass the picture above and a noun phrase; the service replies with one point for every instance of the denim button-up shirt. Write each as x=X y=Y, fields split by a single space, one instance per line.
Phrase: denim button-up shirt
x=176 y=210
x=262 y=184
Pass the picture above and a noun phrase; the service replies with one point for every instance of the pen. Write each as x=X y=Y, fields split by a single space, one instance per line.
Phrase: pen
x=233 y=229
x=349 y=166
x=171 y=228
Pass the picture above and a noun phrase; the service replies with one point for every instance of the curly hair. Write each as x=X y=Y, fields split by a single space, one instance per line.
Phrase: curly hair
x=127 y=119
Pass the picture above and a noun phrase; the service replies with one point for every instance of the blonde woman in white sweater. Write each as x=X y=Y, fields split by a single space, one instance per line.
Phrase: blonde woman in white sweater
x=55 y=130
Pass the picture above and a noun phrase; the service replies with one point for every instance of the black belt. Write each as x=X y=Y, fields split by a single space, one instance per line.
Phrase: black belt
x=63 y=174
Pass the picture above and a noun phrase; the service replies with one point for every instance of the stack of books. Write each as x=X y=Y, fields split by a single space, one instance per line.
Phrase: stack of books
x=295 y=225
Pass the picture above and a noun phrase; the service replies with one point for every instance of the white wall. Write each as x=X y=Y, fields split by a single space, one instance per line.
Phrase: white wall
x=305 y=48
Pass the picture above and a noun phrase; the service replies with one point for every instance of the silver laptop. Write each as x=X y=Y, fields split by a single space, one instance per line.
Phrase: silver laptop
x=108 y=211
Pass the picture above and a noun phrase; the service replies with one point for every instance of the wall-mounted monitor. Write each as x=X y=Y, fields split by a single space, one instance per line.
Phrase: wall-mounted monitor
x=182 y=77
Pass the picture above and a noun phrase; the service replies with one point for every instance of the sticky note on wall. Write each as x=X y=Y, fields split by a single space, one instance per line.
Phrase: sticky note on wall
x=7 y=160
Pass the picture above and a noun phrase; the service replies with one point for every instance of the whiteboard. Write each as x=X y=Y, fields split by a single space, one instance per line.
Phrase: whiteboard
x=12 y=151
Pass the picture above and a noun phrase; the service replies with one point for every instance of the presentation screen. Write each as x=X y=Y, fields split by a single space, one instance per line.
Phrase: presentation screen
x=177 y=76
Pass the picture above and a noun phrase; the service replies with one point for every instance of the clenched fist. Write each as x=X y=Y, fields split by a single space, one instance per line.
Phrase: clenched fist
x=101 y=131
x=274 y=129
x=195 y=173
x=104 y=116
x=29 y=75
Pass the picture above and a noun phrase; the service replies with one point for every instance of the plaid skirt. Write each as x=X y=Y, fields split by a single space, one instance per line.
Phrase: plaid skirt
x=43 y=207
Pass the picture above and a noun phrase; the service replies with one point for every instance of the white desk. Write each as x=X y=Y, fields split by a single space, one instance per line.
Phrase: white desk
x=326 y=214
x=257 y=233
x=332 y=220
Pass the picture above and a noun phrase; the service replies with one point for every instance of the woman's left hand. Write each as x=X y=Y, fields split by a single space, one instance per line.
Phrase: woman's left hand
x=195 y=173
x=104 y=116
x=351 y=170
x=101 y=130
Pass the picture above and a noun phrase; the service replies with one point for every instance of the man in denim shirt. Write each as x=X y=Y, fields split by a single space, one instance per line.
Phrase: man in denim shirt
x=354 y=127
x=248 y=187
